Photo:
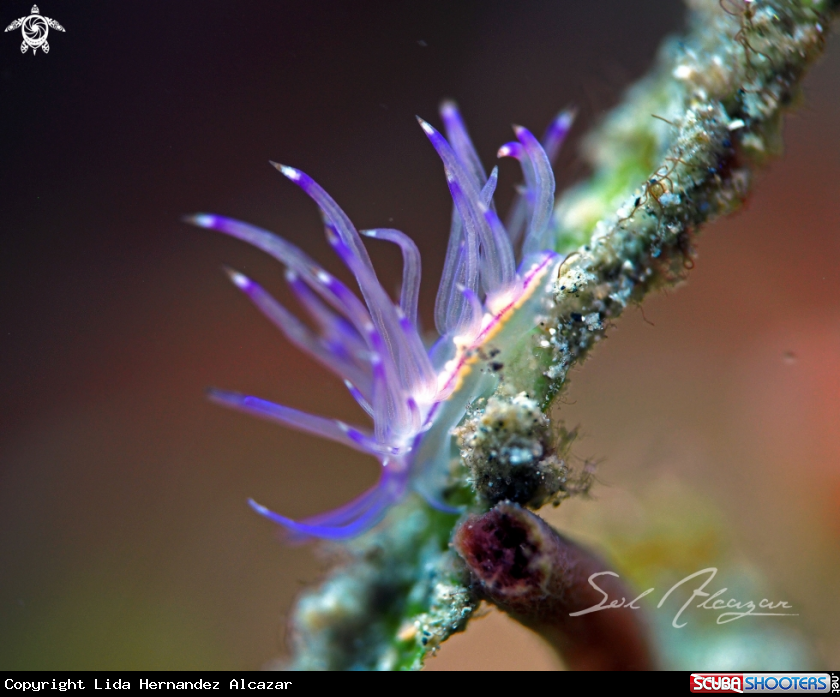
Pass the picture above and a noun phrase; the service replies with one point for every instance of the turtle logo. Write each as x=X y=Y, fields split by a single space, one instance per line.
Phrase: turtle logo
x=35 y=28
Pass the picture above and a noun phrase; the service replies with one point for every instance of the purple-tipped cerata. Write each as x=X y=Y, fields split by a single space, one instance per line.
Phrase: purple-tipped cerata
x=414 y=395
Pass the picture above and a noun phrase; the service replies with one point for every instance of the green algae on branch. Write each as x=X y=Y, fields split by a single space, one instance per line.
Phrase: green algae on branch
x=395 y=598
x=678 y=152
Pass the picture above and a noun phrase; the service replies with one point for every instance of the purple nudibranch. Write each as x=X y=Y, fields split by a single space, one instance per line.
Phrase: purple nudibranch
x=414 y=396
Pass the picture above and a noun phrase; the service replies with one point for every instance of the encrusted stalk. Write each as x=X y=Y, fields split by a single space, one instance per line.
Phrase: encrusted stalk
x=540 y=578
x=680 y=151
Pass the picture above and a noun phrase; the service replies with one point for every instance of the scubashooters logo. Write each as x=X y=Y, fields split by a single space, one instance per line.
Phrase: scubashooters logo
x=739 y=683
x=35 y=28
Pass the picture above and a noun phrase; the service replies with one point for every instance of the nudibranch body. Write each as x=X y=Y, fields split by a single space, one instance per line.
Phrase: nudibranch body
x=414 y=396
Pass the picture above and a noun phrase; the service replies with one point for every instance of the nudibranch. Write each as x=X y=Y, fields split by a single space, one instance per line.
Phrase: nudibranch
x=413 y=395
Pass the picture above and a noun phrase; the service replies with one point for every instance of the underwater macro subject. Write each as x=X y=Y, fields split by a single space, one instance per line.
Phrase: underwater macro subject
x=462 y=426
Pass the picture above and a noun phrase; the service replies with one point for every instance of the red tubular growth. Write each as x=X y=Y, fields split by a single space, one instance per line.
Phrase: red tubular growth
x=539 y=577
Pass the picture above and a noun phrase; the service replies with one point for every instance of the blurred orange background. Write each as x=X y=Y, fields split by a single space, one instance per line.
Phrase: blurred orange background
x=124 y=533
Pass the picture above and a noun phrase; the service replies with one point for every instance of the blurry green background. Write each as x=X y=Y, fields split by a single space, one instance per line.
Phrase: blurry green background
x=125 y=539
